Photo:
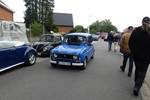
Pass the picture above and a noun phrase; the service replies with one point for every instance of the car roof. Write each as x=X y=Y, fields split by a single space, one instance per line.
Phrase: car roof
x=78 y=34
x=52 y=34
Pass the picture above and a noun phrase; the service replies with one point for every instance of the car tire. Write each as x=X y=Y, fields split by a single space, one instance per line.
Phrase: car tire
x=92 y=56
x=53 y=65
x=31 y=59
x=84 y=64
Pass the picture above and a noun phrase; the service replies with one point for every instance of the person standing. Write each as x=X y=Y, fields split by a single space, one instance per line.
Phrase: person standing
x=126 y=51
x=115 y=42
x=110 y=39
x=121 y=53
x=139 y=44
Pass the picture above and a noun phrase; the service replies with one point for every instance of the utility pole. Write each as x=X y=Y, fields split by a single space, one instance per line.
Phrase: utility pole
x=89 y=23
x=30 y=33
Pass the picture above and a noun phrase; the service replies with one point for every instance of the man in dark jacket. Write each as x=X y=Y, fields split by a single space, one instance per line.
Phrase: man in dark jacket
x=110 y=39
x=139 y=44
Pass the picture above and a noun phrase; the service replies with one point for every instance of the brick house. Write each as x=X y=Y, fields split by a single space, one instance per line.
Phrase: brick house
x=5 y=12
x=64 y=21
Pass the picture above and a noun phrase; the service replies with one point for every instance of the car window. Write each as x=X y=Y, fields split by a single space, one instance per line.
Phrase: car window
x=95 y=36
x=75 y=39
x=47 y=38
x=58 y=38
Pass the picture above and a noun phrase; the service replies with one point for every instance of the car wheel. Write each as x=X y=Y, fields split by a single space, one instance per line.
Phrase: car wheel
x=92 y=56
x=53 y=65
x=84 y=64
x=31 y=59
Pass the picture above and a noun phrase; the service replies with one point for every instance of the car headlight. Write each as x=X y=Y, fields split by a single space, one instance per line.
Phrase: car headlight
x=55 y=55
x=45 y=49
x=75 y=57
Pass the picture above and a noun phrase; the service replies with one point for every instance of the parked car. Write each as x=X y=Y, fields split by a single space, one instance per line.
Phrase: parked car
x=76 y=50
x=13 y=53
x=103 y=34
x=95 y=37
x=46 y=43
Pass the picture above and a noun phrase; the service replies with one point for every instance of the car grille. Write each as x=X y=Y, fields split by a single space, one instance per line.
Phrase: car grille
x=38 y=47
x=65 y=56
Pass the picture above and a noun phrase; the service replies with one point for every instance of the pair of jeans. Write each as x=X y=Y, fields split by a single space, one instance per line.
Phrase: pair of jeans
x=140 y=72
x=109 y=45
x=125 y=59
x=115 y=46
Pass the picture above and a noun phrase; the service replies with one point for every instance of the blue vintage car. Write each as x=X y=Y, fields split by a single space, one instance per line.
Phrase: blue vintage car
x=76 y=50
x=13 y=53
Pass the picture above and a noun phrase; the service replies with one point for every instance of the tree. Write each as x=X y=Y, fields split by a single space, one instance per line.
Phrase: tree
x=72 y=30
x=103 y=26
x=31 y=13
x=40 y=11
x=77 y=28
x=36 y=29
x=106 y=26
x=95 y=27
x=55 y=28
x=49 y=23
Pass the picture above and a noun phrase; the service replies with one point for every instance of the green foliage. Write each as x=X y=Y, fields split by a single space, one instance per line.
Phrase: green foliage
x=55 y=28
x=103 y=26
x=39 y=11
x=93 y=31
x=49 y=24
x=95 y=27
x=36 y=29
x=77 y=28
x=72 y=30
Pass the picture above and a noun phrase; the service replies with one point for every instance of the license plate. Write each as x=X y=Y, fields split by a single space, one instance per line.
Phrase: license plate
x=39 y=54
x=64 y=63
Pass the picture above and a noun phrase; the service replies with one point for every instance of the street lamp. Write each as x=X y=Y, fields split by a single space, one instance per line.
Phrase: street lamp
x=89 y=23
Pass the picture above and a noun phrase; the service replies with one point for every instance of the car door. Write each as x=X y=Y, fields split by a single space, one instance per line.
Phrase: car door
x=20 y=53
x=8 y=57
x=90 y=45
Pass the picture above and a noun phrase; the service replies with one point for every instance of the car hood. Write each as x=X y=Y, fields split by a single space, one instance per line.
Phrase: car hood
x=42 y=43
x=69 y=49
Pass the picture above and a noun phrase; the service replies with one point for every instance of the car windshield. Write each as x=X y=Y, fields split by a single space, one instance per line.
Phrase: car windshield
x=47 y=38
x=95 y=36
x=75 y=39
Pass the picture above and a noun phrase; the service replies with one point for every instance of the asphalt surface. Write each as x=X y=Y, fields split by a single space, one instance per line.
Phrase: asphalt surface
x=102 y=80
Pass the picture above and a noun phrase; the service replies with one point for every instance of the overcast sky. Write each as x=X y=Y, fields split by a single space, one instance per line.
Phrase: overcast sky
x=122 y=13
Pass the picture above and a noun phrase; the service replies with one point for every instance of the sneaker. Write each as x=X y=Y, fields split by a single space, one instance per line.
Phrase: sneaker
x=129 y=74
x=121 y=67
x=136 y=91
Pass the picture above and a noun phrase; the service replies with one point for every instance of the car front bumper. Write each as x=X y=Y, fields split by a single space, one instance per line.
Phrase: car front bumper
x=73 y=64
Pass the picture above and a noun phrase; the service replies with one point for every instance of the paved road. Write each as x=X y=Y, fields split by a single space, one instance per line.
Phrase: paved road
x=102 y=80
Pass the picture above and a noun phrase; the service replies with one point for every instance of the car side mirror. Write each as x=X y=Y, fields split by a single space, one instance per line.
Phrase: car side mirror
x=89 y=44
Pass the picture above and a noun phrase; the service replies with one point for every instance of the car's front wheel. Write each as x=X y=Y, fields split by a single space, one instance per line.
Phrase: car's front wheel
x=53 y=65
x=31 y=59
x=84 y=64
x=92 y=56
